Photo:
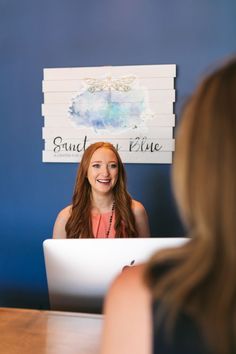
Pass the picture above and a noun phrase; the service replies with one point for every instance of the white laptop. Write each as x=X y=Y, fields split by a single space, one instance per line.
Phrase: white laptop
x=80 y=271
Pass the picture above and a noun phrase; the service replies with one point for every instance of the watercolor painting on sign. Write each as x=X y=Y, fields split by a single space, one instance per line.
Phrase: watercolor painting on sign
x=111 y=105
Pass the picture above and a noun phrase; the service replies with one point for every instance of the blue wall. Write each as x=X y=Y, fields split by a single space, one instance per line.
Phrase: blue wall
x=67 y=33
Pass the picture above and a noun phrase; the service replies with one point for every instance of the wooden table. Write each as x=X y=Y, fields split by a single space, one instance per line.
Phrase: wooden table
x=48 y=332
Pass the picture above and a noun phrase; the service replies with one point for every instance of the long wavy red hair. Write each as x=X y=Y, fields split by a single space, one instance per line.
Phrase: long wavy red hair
x=79 y=223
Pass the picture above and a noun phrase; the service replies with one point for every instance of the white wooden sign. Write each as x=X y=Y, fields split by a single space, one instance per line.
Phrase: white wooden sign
x=129 y=106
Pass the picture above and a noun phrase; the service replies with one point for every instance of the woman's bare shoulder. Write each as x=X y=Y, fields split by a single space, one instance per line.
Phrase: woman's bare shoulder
x=141 y=219
x=65 y=212
x=60 y=223
x=137 y=207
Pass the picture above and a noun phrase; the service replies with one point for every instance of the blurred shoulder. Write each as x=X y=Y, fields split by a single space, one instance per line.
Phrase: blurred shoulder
x=127 y=321
x=129 y=286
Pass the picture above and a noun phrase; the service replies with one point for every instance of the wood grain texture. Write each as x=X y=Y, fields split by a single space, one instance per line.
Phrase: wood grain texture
x=48 y=332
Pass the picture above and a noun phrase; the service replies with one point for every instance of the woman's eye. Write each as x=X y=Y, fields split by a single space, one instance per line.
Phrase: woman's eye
x=113 y=165
x=96 y=165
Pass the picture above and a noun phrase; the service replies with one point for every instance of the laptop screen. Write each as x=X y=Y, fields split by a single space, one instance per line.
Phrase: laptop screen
x=80 y=271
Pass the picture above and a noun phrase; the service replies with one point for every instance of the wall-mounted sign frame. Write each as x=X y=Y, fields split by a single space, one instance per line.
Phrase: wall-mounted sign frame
x=129 y=106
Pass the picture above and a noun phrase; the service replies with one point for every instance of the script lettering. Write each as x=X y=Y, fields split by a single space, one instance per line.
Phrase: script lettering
x=65 y=146
x=141 y=144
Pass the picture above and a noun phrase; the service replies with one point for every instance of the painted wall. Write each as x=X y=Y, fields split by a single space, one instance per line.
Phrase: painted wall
x=67 y=33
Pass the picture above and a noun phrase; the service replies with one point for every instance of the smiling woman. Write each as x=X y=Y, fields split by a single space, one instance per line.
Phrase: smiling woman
x=101 y=206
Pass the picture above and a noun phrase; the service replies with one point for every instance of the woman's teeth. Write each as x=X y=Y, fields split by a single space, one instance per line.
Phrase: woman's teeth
x=106 y=181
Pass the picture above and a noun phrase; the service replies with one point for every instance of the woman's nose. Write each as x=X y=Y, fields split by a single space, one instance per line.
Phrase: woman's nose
x=105 y=171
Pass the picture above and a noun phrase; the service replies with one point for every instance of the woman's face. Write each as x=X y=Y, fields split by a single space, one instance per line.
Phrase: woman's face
x=103 y=171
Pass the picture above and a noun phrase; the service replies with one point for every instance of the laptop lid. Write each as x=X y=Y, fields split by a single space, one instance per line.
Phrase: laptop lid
x=80 y=271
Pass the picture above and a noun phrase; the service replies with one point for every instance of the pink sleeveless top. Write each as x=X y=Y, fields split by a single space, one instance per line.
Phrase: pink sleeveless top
x=100 y=224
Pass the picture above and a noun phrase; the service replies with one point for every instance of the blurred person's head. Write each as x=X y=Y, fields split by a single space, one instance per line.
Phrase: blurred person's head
x=204 y=171
x=202 y=281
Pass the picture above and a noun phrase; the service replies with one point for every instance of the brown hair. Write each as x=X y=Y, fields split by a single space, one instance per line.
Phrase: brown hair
x=203 y=280
x=79 y=223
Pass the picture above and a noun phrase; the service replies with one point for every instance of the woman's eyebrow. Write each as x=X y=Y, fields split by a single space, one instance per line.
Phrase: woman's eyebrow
x=112 y=161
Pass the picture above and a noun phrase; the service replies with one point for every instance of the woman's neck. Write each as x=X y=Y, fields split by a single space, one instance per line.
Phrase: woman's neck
x=102 y=203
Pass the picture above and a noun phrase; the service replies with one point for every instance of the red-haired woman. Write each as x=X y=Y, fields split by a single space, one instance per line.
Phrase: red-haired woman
x=101 y=206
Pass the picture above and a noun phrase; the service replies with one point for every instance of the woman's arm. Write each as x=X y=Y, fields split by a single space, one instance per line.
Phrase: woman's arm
x=141 y=219
x=127 y=320
x=59 y=230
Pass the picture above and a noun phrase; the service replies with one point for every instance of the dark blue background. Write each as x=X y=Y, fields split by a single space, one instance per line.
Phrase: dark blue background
x=66 y=33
